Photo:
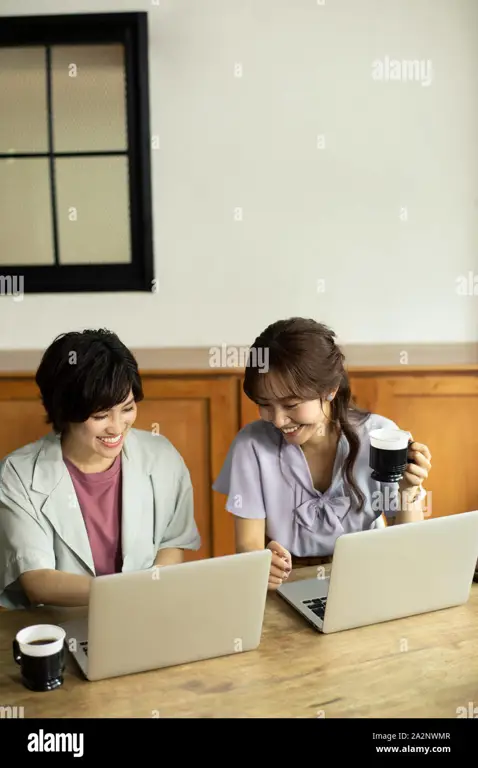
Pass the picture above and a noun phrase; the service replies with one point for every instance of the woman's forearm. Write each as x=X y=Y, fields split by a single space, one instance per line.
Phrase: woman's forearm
x=50 y=587
x=410 y=511
x=169 y=556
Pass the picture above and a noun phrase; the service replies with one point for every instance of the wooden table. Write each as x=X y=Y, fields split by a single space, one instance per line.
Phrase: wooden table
x=420 y=667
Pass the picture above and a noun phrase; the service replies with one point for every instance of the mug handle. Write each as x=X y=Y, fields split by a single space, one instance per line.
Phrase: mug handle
x=16 y=651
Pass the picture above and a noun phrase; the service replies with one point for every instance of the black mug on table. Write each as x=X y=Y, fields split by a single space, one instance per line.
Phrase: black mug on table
x=389 y=454
x=39 y=650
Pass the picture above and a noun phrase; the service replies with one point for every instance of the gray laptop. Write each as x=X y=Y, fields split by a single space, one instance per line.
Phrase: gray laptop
x=389 y=573
x=171 y=615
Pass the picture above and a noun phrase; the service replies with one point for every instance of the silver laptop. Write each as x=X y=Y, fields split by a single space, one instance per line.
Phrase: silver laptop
x=171 y=615
x=389 y=573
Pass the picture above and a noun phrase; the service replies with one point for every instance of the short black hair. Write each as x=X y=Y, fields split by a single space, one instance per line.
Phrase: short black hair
x=86 y=372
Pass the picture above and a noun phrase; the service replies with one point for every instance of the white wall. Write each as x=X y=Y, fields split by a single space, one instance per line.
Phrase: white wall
x=310 y=214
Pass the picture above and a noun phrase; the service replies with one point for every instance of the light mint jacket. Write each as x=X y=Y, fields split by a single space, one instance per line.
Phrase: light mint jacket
x=41 y=524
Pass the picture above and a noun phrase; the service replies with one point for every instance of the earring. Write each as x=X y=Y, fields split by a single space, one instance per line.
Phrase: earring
x=330 y=397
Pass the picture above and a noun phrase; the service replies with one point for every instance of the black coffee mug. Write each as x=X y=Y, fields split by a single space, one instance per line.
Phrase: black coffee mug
x=40 y=652
x=388 y=454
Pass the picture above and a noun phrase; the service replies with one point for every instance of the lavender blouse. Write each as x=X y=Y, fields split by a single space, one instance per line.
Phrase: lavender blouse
x=265 y=477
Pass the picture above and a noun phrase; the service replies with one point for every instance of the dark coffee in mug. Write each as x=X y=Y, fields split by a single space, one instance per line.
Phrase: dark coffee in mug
x=40 y=653
x=388 y=454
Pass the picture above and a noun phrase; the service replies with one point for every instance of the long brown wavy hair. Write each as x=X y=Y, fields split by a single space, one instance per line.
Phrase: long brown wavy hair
x=301 y=359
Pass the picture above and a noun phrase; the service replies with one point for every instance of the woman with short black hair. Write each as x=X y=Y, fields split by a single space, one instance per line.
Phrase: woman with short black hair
x=94 y=496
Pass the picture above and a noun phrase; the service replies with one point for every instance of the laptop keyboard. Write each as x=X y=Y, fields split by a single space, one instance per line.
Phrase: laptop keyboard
x=317 y=606
x=84 y=645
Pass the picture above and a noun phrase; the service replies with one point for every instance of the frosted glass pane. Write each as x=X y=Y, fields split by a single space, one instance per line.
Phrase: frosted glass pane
x=93 y=210
x=23 y=101
x=89 y=107
x=26 y=235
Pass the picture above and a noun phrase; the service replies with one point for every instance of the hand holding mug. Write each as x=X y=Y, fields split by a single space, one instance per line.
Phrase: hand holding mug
x=396 y=458
x=416 y=472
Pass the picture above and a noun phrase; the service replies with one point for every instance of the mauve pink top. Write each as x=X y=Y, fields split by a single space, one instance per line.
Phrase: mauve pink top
x=99 y=497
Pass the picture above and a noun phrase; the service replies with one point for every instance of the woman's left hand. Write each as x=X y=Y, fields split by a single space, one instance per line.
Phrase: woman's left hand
x=417 y=470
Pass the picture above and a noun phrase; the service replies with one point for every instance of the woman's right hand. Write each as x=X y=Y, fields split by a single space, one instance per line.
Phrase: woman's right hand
x=281 y=564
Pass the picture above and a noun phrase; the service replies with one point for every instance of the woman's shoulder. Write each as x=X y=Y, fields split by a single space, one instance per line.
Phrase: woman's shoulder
x=246 y=466
x=148 y=448
x=24 y=458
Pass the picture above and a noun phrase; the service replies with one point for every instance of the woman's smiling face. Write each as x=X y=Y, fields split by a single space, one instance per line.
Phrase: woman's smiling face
x=297 y=420
x=102 y=434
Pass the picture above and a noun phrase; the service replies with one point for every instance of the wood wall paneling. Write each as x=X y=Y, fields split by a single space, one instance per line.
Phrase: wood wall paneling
x=22 y=416
x=185 y=424
x=201 y=412
x=200 y=417
x=249 y=410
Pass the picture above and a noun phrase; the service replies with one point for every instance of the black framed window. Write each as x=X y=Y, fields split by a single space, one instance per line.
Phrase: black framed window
x=75 y=184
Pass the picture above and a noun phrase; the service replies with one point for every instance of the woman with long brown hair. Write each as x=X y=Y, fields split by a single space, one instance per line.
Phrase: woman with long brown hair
x=299 y=477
